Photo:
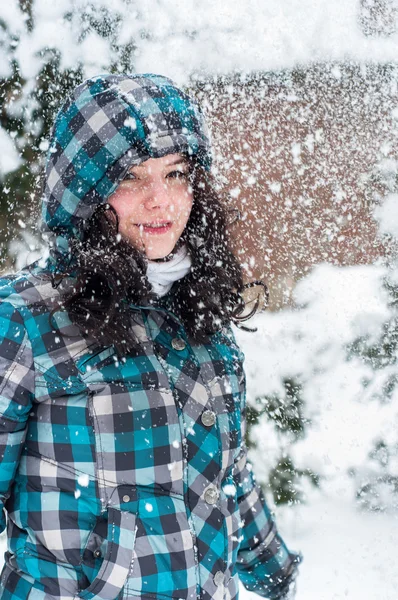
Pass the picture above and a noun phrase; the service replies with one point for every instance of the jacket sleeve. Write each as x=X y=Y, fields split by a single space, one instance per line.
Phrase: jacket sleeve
x=16 y=393
x=264 y=564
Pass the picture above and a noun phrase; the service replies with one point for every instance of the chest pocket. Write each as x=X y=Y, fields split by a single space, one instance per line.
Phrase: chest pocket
x=141 y=370
x=99 y=365
x=80 y=372
x=56 y=380
x=57 y=369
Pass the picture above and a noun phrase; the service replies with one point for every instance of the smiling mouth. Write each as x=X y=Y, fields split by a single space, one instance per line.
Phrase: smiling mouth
x=155 y=227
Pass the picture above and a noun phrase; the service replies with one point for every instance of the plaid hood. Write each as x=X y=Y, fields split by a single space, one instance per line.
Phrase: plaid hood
x=108 y=124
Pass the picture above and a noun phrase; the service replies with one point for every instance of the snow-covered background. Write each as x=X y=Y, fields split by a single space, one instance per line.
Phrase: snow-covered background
x=347 y=549
x=177 y=38
x=348 y=538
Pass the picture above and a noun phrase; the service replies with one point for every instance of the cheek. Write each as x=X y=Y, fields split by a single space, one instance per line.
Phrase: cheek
x=122 y=204
x=185 y=208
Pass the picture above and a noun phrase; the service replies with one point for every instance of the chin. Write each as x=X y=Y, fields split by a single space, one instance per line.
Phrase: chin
x=161 y=250
x=155 y=254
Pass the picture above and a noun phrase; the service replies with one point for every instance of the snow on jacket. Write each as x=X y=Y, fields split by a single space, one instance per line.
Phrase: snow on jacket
x=122 y=479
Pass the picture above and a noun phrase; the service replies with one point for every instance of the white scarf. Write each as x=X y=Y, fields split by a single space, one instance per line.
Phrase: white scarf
x=162 y=275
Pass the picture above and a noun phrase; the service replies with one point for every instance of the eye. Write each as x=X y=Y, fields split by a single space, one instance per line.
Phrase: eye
x=177 y=174
x=129 y=177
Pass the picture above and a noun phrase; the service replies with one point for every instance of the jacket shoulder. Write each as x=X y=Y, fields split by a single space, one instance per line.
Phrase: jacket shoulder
x=27 y=288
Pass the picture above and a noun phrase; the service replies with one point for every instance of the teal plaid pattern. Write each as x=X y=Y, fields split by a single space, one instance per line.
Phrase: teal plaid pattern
x=106 y=465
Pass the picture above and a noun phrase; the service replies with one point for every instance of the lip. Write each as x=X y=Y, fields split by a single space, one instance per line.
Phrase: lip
x=155 y=228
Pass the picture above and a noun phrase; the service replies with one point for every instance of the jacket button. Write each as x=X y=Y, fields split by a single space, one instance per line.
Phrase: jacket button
x=211 y=495
x=208 y=418
x=178 y=344
x=97 y=553
x=126 y=498
x=219 y=578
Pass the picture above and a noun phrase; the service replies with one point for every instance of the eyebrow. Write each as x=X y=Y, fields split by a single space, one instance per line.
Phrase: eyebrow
x=177 y=161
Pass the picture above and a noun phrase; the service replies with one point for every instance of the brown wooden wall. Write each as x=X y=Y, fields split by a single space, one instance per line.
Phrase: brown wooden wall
x=300 y=154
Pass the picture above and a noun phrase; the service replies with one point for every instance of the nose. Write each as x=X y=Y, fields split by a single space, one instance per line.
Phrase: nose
x=157 y=196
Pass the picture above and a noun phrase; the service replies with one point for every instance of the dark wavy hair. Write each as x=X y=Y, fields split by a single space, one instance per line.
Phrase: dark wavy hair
x=111 y=274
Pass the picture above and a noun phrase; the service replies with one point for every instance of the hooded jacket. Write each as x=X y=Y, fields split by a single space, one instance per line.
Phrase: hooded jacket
x=123 y=479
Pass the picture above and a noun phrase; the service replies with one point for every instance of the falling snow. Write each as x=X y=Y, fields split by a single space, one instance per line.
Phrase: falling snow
x=302 y=103
x=83 y=480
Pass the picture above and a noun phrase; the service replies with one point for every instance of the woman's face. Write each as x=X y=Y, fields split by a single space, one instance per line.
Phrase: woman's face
x=153 y=204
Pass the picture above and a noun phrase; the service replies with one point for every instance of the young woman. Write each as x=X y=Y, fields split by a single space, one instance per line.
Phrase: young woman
x=123 y=467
